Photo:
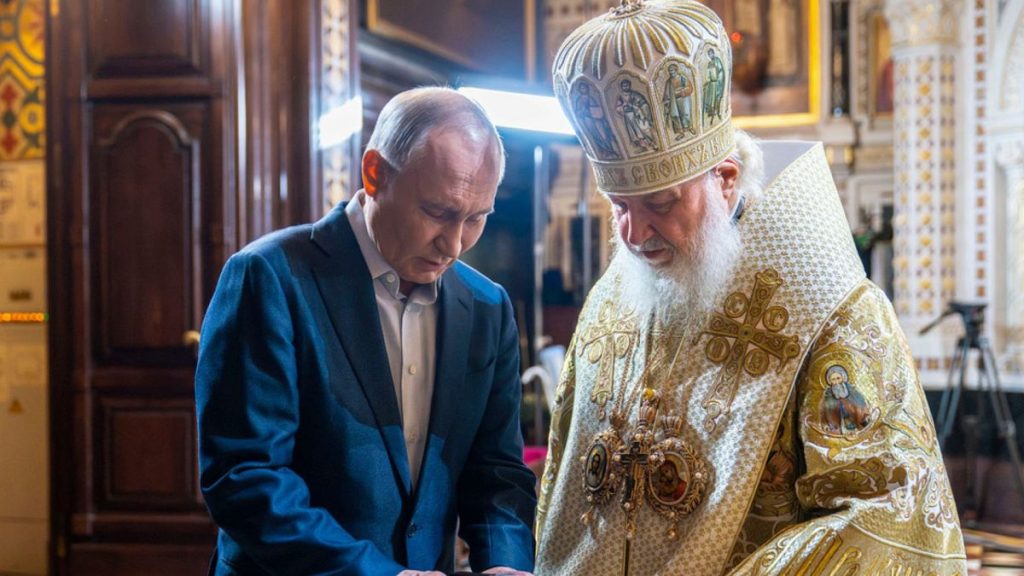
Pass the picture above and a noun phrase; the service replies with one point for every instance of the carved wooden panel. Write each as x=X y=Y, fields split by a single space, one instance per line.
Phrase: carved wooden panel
x=145 y=204
x=146 y=38
x=139 y=559
x=146 y=456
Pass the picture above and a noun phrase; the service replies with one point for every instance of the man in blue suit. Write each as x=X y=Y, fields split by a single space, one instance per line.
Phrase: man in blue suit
x=357 y=388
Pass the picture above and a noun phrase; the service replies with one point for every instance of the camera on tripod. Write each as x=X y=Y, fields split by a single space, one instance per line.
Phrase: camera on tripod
x=988 y=385
x=972 y=314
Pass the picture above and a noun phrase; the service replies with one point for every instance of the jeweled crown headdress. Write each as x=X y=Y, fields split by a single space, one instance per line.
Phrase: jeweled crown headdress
x=646 y=86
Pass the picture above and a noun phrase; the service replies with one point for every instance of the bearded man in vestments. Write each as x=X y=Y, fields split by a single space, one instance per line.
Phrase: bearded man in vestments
x=694 y=430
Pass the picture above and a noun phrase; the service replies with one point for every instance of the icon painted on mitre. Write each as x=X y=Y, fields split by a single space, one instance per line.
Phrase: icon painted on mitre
x=635 y=110
x=714 y=87
x=678 y=103
x=843 y=408
x=593 y=121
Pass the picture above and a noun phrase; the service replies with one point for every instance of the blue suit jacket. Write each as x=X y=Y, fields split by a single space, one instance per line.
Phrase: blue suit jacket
x=302 y=458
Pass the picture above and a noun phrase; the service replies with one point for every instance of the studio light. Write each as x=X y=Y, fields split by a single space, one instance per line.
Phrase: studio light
x=522 y=111
x=341 y=122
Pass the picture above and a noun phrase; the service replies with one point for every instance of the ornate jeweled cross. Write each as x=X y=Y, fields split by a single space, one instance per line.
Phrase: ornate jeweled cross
x=626 y=7
x=636 y=463
x=751 y=347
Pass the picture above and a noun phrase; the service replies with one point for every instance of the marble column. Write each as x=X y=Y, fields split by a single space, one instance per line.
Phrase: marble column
x=925 y=44
x=1009 y=158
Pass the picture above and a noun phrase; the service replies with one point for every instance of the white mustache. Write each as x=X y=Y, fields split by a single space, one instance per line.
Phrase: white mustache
x=651 y=244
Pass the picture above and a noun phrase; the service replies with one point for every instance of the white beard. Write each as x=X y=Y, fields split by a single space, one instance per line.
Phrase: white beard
x=688 y=289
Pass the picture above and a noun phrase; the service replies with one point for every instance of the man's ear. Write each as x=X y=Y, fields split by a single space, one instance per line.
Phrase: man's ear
x=729 y=171
x=374 y=170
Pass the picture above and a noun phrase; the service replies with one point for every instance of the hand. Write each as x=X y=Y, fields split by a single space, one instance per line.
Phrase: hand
x=419 y=573
x=503 y=571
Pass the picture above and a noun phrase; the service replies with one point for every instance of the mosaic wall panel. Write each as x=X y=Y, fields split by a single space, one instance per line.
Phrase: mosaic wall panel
x=925 y=184
x=22 y=93
x=947 y=180
x=903 y=226
x=24 y=405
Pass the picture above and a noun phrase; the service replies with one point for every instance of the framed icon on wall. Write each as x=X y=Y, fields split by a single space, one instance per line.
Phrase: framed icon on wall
x=478 y=34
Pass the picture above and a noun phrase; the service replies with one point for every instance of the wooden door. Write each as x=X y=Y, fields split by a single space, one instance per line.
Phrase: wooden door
x=179 y=130
x=142 y=218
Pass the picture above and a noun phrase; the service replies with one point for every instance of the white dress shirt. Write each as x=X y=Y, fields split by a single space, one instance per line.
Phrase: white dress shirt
x=409 y=325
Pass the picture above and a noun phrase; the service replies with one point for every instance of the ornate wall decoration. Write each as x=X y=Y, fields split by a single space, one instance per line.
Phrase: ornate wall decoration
x=873 y=75
x=923 y=22
x=1012 y=97
x=22 y=87
x=336 y=88
x=981 y=200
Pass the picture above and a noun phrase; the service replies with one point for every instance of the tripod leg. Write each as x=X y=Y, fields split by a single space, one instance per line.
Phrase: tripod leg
x=950 y=396
x=984 y=393
x=970 y=423
x=1007 y=427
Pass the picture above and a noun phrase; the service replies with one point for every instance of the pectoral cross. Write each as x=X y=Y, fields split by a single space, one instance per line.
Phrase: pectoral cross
x=635 y=463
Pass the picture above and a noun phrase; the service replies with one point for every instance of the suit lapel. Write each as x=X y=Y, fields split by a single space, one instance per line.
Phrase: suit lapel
x=346 y=287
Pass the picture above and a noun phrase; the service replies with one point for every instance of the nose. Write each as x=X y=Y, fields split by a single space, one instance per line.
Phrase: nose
x=634 y=228
x=449 y=242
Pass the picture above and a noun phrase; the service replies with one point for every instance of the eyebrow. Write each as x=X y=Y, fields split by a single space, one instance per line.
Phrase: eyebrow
x=661 y=197
x=449 y=211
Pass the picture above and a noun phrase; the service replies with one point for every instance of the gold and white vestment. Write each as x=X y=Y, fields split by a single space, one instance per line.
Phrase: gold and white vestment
x=790 y=436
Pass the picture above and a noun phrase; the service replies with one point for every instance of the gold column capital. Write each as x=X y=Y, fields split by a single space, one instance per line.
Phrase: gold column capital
x=1010 y=155
x=923 y=22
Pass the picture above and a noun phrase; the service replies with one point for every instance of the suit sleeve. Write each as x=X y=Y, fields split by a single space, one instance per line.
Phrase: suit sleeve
x=247 y=398
x=873 y=492
x=496 y=490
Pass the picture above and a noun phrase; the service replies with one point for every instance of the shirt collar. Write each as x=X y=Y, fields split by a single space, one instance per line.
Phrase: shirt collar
x=380 y=270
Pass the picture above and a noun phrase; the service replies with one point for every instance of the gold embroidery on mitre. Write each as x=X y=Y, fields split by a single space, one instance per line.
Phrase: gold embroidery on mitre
x=646 y=88
x=751 y=348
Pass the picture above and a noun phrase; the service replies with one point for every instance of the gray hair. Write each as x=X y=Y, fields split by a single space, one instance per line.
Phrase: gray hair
x=750 y=158
x=408 y=117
